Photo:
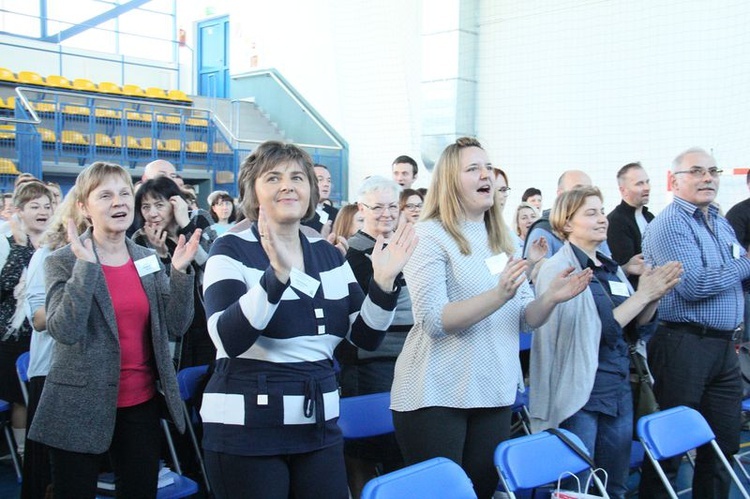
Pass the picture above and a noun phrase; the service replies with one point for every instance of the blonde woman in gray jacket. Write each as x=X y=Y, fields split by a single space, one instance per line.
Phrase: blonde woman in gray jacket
x=579 y=368
x=110 y=306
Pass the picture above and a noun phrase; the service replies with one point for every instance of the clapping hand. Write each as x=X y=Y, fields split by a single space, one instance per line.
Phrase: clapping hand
x=157 y=238
x=388 y=261
x=511 y=278
x=83 y=251
x=569 y=284
x=538 y=250
x=185 y=252
x=658 y=281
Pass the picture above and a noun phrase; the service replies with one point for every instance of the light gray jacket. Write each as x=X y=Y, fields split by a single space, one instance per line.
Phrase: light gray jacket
x=78 y=405
x=564 y=350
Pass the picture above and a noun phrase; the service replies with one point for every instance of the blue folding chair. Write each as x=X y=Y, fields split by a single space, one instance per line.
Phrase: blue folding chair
x=436 y=478
x=535 y=460
x=188 y=380
x=22 y=369
x=5 y=423
x=365 y=416
x=738 y=457
x=520 y=416
x=675 y=431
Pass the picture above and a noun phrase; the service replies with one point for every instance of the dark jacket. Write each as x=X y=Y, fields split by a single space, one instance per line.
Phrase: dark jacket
x=623 y=235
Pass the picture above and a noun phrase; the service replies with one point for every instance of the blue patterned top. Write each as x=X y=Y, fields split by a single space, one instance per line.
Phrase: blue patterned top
x=710 y=292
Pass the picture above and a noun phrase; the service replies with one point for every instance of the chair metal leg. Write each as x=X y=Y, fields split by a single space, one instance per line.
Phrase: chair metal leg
x=13 y=451
x=729 y=468
x=170 y=443
x=196 y=447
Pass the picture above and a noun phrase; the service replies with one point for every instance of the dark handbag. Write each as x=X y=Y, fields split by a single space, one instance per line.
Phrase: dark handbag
x=644 y=400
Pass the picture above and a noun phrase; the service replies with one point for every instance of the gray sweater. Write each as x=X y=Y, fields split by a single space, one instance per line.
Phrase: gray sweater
x=564 y=350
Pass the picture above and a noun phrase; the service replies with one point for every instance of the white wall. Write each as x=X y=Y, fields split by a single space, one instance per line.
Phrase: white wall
x=357 y=62
x=594 y=85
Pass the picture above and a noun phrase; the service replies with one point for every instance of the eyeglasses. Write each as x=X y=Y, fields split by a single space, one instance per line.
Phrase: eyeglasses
x=413 y=206
x=378 y=209
x=504 y=190
x=699 y=172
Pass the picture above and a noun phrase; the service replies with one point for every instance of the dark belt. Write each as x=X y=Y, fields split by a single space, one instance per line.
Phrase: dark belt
x=703 y=331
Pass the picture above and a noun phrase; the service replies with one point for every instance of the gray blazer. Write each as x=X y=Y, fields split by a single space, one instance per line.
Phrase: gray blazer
x=79 y=402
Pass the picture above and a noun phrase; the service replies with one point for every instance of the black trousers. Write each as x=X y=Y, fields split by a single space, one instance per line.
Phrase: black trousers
x=134 y=453
x=308 y=475
x=36 y=466
x=465 y=436
x=702 y=373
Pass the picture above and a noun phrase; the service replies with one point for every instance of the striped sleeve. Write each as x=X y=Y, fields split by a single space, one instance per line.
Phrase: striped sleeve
x=376 y=312
x=240 y=300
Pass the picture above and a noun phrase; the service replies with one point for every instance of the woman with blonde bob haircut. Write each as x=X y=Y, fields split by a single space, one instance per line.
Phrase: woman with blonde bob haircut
x=458 y=373
x=580 y=356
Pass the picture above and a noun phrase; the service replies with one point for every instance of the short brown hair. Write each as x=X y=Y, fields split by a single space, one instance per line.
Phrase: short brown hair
x=28 y=191
x=567 y=203
x=93 y=175
x=262 y=159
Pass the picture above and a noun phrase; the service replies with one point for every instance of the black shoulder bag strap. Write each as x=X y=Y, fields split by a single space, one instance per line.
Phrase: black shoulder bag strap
x=572 y=446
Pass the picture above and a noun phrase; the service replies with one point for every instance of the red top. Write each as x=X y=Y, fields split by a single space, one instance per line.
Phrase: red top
x=132 y=312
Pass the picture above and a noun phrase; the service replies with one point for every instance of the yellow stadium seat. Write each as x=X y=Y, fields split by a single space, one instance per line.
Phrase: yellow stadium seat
x=44 y=107
x=156 y=93
x=221 y=148
x=178 y=95
x=3 y=105
x=8 y=167
x=58 y=81
x=7 y=75
x=131 y=142
x=196 y=147
x=47 y=134
x=196 y=122
x=172 y=119
x=172 y=145
x=103 y=112
x=10 y=103
x=77 y=110
x=108 y=87
x=103 y=140
x=84 y=84
x=8 y=132
x=30 y=78
x=73 y=137
x=148 y=143
x=133 y=90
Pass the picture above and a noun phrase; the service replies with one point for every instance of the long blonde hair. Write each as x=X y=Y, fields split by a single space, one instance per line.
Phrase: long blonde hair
x=56 y=235
x=444 y=202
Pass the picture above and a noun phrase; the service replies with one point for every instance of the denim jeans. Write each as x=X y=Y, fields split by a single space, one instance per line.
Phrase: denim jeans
x=608 y=440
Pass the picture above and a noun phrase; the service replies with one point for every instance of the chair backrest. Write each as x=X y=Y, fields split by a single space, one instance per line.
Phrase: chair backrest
x=673 y=431
x=7 y=75
x=188 y=380
x=129 y=89
x=435 y=478
x=22 y=367
x=156 y=93
x=84 y=84
x=108 y=87
x=58 y=81
x=30 y=77
x=366 y=415
x=534 y=460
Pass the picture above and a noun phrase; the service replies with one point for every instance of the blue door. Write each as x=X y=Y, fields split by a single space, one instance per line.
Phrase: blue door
x=213 y=57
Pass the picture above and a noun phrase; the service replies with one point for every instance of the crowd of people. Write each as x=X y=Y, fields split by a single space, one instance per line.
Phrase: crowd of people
x=422 y=293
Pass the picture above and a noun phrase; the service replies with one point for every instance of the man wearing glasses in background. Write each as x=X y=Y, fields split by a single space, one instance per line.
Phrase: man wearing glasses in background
x=692 y=355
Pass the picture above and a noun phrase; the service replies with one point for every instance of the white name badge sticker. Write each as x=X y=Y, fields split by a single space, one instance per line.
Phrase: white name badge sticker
x=735 y=251
x=146 y=266
x=323 y=215
x=619 y=288
x=496 y=263
x=304 y=282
